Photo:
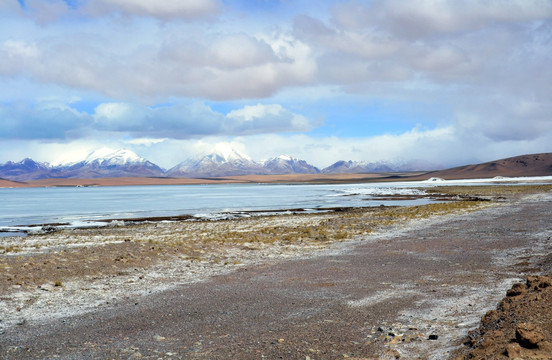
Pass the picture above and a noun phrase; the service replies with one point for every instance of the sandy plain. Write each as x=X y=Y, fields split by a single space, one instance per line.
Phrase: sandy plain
x=359 y=283
x=287 y=178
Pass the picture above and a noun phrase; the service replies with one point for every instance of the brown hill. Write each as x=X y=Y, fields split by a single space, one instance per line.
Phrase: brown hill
x=524 y=165
x=11 y=184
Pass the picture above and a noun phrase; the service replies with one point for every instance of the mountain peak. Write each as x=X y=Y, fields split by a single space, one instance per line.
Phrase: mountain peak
x=223 y=161
x=104 y=156
x=285 y=164
x=227 y=153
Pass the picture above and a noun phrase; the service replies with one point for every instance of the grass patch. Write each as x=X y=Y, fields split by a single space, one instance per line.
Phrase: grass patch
x=490 y=190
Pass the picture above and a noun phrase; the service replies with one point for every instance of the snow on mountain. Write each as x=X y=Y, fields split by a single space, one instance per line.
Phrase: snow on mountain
x=226 y=153
x=26 y=169
x=377 y=167
x=358 y=167
x=107 y=162
x=224 y=161
x=108 y=157
x=285 y=164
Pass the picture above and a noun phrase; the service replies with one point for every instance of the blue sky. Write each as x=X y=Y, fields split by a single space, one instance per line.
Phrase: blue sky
x=448 y=82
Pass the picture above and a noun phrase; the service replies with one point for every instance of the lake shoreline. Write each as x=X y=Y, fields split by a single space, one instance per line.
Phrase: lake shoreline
x=239 y=179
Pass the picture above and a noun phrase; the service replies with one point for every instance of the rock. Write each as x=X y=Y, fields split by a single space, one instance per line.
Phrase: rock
x=538 y=282
x=433 y=337
x=529 y=335
x=47 y=287
x=490 y=317
x=513 y=350
x=517 y=289
x=488 y=342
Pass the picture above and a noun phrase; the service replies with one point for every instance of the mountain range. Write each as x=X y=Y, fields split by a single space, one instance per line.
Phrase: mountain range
x=220 y=163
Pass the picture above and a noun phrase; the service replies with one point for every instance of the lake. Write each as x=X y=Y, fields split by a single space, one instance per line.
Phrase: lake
x=83 y=206
x=78 y=205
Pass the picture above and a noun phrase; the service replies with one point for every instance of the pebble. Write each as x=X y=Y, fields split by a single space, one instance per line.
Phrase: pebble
x=47 y=287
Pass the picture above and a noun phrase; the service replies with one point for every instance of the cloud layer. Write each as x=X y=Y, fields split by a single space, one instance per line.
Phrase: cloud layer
x=164 y=69
x=55 y=121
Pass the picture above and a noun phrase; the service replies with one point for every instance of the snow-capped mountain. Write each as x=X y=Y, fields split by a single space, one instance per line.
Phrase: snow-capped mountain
x=26 y=169
x=222 y=162
x=110 y=163
x=100 y=163
x=108 y=157
x=351 y=167
x=356 y=167
x=285 y=164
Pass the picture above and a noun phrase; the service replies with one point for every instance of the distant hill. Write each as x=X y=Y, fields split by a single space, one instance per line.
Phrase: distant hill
x=523 y=165
x=10 y=184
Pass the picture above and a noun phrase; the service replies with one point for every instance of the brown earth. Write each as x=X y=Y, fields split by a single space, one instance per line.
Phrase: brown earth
x=10 y=184
x=524 y=165
x=519 y=328
x=293 y=178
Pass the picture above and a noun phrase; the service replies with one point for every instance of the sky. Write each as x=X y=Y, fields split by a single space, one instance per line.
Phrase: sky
x=446 y=82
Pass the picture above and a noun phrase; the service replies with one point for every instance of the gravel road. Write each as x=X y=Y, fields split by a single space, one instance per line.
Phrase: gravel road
x=409 y=293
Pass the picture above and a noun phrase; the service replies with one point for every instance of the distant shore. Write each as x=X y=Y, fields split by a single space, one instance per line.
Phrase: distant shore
x=239 y=179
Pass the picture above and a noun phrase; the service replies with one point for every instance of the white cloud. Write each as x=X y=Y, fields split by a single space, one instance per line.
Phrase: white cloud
x=417 y=18
x=263 y=119
x=162 y=9
x=16 y=56
x=238 y=51
x=213 y=66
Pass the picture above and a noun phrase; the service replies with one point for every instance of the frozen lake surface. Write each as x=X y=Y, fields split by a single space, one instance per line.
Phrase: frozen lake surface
x=84 y=206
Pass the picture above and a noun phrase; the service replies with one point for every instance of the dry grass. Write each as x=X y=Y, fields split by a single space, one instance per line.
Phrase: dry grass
x=92 y=253
x=494 y=191
x=56 y=258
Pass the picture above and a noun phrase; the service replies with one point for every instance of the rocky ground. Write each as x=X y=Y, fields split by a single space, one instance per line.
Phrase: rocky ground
x=519 y=328
x=366 y=283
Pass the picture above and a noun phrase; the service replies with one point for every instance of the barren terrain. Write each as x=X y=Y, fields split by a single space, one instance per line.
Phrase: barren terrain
x=364 y=283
